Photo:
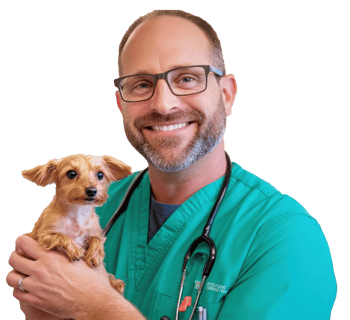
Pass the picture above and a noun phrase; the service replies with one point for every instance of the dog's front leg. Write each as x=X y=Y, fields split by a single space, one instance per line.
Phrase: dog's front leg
x=94 y=253
x=59 y=241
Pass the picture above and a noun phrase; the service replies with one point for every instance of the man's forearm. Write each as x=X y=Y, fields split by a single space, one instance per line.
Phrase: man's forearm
x=108 y=306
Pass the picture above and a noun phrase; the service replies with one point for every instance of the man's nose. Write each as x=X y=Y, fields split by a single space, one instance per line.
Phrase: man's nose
x=163 y=99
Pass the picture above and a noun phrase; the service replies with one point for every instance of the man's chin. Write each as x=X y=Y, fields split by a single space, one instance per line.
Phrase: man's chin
x=169 y=167
x=171 y=161
x=168 y=160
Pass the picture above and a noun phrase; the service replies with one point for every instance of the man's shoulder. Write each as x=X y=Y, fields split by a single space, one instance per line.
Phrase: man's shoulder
x=253 y=182
x=270 y=216
x=256 y=193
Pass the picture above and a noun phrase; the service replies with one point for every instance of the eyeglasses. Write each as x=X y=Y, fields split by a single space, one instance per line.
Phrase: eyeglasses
x=183 y=81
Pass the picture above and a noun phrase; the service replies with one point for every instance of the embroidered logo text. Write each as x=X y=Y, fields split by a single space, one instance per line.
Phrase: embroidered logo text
x=211 y=286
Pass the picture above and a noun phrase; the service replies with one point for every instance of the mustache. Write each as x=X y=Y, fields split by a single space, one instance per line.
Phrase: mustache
x=154 y=118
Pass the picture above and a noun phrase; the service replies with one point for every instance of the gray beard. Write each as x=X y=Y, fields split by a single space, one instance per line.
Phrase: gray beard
x=199 y=148
x=206 y=139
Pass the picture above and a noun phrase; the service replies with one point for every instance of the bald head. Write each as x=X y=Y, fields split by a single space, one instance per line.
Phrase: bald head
x=164 y=43
x=163 y=26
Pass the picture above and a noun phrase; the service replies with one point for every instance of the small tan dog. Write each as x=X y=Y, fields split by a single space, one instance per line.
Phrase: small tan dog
x=70 y=223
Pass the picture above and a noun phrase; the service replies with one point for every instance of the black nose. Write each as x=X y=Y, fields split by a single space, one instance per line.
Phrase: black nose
x=91 y=191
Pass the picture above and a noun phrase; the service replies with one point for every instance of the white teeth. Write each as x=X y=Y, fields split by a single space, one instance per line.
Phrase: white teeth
x=171 y=127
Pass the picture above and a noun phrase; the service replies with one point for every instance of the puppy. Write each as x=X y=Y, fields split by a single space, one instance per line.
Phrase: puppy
x=70 y=223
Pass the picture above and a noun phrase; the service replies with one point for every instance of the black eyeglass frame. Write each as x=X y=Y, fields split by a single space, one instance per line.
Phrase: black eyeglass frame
x=164 y=75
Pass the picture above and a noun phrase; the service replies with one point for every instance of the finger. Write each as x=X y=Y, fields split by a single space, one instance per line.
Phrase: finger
x=28 y=296
x=29 y=247
x=21 y=264
x=25 y=297
x=13 y=278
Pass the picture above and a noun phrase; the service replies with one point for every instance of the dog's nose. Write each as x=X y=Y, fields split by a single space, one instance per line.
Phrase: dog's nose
x=91 y=191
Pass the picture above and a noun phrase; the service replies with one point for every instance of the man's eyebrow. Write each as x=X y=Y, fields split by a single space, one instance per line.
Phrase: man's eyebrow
x=145 y=71
x=142 y=71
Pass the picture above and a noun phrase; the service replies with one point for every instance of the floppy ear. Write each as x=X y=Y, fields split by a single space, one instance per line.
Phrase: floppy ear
x=42 y=175
x=117 y=169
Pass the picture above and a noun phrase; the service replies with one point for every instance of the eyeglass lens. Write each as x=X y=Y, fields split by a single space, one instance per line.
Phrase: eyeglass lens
x=182 y=81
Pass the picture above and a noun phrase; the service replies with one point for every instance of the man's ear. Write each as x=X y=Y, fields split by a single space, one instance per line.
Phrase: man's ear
x=228 y=90
x=119 y=100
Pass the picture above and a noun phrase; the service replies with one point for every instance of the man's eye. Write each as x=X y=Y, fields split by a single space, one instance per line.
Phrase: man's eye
x=141 y=86
x=100 y=175
x=71 y=174
x=187 y=79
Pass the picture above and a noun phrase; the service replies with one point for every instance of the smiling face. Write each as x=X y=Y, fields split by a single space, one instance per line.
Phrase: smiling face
x=171 y=132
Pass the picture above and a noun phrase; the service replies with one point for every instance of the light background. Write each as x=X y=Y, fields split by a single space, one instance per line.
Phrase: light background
x=289 y=126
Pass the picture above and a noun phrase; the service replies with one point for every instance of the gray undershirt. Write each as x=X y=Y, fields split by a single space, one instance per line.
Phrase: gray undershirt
x=159 y=213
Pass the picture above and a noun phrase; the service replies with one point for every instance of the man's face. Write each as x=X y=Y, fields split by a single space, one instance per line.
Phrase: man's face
x=171 y=132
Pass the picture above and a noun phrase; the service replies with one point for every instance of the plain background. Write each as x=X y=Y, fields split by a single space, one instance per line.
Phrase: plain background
x=289 y=126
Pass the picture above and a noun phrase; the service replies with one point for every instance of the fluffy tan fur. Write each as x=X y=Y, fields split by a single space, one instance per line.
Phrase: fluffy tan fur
x=70 y=223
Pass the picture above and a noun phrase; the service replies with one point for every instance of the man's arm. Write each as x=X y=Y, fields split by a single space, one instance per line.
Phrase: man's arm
x=63 y=288
x=33 y=313
x=109 y=307
x=287 y=274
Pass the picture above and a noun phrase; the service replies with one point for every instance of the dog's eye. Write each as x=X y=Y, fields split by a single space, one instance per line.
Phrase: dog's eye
x=71 y=174
x=100 y=175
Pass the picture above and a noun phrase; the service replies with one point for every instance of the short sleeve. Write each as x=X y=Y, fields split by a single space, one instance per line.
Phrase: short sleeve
x=287 y=274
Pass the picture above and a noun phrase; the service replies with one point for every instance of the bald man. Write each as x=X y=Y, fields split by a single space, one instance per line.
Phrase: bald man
x=272 y=262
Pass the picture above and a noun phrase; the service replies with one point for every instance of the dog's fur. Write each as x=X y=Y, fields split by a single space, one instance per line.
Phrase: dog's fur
x=70 y=223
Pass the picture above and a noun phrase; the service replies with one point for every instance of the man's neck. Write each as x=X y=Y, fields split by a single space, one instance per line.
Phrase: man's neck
x=177 y=187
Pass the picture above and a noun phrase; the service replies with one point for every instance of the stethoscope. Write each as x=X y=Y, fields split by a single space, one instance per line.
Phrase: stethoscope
x=204 y=237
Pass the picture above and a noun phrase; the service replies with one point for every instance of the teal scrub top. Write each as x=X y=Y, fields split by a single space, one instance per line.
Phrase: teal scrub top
x=273 y=261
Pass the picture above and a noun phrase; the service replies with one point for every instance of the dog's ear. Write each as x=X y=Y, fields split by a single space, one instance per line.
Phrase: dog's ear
x=117 y=169
x=42 y=175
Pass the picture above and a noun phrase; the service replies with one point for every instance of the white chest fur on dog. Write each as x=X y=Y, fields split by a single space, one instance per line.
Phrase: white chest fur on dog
x=75 y=225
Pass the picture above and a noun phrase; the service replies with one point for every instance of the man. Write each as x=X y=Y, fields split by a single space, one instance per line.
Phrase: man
x=272 y=262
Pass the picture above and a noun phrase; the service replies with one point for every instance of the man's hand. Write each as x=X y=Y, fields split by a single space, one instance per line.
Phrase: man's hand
x=33 y=313
x=55 y=285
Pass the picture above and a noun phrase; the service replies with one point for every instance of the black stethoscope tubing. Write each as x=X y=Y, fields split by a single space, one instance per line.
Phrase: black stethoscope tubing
x=204 y=237
x=125 y=202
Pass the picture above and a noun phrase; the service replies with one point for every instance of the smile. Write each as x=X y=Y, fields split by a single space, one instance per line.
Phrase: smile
x=170 y=127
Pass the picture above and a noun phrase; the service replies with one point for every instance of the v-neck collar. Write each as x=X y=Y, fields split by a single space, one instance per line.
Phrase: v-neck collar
x=147 y=257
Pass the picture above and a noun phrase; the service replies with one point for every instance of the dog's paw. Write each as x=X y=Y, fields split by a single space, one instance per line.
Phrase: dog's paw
x=75 y=252
x=94 y=261
x=61 y=242
x=94 y=253
x=117 y=284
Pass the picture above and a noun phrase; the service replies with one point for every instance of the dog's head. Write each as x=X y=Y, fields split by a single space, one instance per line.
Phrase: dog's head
x=80 y=179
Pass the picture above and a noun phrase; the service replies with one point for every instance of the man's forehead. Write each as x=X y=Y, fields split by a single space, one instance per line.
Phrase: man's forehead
x=164 y=43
